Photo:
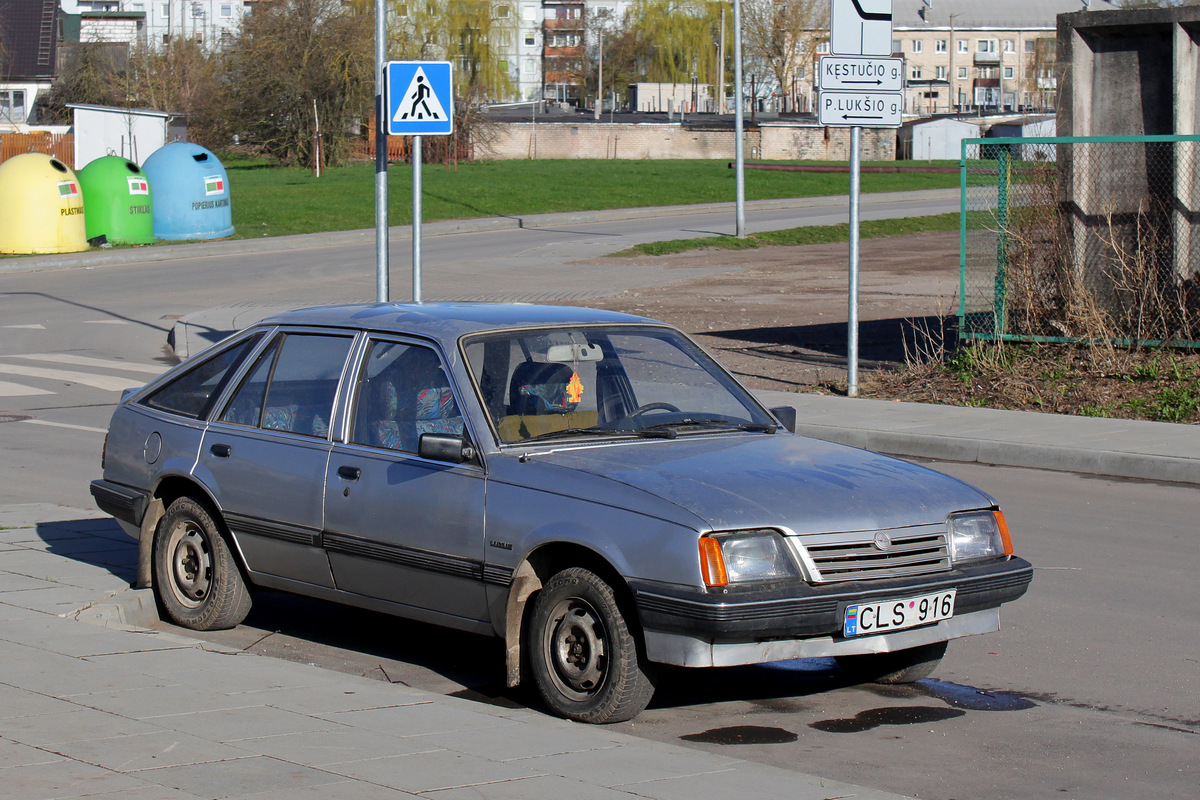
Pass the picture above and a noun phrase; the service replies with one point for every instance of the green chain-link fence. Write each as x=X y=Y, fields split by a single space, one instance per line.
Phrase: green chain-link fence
x=1081 y=239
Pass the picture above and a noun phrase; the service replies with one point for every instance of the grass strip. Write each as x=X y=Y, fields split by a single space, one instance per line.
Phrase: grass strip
x=809 y=234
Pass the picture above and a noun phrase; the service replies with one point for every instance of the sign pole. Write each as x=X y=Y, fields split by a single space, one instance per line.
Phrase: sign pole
x=416 y=219
x=381 y=164
x=852 y=325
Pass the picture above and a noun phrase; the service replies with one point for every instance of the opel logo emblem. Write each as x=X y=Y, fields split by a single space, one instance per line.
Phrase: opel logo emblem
x=883 y=541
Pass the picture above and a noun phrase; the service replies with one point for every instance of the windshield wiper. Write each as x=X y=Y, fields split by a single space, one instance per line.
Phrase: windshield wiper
x=567 y=433
x=757 y=427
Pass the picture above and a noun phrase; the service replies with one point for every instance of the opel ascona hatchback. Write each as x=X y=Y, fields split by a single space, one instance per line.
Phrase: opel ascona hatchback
x=591 y=487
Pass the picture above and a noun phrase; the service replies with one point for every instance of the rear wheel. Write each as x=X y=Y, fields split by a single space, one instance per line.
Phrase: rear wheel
x=196 y=578
x=903 y=666
x=584 y=658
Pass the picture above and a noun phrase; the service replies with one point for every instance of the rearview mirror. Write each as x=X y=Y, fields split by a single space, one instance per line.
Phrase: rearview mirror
x=573 y=353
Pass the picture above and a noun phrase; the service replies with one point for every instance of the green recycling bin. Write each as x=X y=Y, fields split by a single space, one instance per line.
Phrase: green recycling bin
x=117 y=198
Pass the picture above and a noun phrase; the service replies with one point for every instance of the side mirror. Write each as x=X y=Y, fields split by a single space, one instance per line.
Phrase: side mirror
x=449 y=447
x=786 y=416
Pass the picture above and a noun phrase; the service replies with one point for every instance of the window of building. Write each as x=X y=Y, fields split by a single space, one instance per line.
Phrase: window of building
x=165 y=10
x=941 y=73
x=962 y=73
x=530 y=66
x=1010 y=46
x=822 y=48
x=530 y=40
x=895 y=45
x=226 y=10
x=987 y=45
x=501 y=12
x=12 y=105
x=964 y=46
x=1008 y=72
x=916 y=73
x=1029 y=45
x=917 y=45
x=939 y=46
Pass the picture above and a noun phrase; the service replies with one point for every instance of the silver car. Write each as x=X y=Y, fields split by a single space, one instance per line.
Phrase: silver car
x=591 y=487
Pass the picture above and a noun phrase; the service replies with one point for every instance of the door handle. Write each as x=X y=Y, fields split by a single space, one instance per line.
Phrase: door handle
x=221 y=450
x=349 y=473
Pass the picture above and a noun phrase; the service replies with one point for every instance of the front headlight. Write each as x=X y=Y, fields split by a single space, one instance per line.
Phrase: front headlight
x=744 y=557
x=978 y=536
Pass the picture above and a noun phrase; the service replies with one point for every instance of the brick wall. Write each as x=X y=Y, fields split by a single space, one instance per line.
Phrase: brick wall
x=672 y=140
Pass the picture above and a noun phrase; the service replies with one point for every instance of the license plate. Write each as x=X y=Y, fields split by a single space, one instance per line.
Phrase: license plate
x=894 y=615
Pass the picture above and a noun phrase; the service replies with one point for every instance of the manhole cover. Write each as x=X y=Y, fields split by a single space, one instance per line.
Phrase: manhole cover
x=13 y=418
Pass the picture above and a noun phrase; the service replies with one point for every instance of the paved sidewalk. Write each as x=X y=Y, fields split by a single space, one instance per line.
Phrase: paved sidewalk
x=125 y=712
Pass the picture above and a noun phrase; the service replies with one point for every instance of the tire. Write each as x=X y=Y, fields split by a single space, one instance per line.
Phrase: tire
x=903 y=666
x=585 y=661
x=196 y=579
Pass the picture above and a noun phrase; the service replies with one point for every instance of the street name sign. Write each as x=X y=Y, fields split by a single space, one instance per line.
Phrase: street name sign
x=419 y=98
x=864 y=109
x=861 y=73
x=860 y=27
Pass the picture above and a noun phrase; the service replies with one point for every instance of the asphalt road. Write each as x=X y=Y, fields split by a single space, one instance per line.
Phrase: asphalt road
x=1090 y=690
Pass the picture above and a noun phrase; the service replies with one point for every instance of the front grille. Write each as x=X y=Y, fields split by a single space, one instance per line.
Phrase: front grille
x=854 y=557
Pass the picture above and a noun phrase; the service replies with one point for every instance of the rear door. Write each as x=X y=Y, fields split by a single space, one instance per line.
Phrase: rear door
x=398 y=527
x=265 y=454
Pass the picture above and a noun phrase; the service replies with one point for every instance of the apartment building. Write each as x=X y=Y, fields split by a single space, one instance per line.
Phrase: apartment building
x=980 y=55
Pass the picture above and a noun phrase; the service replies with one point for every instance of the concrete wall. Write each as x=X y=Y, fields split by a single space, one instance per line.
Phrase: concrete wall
x=659 y=140
x=1131 y=73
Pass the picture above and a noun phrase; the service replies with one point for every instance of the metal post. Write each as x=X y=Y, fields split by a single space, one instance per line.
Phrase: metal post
x=852 y=325
x=738 y=102
x=416 y=219
x=382 y=291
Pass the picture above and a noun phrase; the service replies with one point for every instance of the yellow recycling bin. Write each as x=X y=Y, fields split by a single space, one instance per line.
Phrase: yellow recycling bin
x=41 y=206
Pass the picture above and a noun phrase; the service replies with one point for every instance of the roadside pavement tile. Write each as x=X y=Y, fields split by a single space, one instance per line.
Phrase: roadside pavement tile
x=334 y=747
x=46 y=730
x=757 y=781
x=63 y=676
x=82 y=640
x=68 y=779
x=239 y=777
x=420 y=719
x=346 y=790
x=334 y=693
x=12 y=583
x=166 y=699
x=542 y=787
x=58 y=599
x=249 y=722
x=11 y=608
x=630 y=763
x=425 y=772
x=15 y=754
x=525 y=742
x=147 y=751
x=16 y=702
x=204 y=667
x=147 y=792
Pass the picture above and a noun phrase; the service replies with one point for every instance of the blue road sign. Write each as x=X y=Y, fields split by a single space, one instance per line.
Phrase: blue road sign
x=419 y=98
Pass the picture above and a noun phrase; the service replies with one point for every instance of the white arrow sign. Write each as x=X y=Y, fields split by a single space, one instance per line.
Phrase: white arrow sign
x=860 y=27
x=859 y=73
x=867 y=109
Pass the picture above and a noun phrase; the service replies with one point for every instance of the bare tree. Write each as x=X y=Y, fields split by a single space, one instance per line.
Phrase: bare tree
x=296 y=55
x=782 y=36
x=475 y=35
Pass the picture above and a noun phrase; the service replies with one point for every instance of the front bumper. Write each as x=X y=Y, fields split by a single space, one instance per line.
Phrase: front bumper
x=746 y=625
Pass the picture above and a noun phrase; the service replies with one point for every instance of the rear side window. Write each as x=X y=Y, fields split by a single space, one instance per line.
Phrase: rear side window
x=292 y=385
x=193 y=392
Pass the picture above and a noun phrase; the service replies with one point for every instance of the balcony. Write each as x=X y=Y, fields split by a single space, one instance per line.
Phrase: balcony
x=987 y=58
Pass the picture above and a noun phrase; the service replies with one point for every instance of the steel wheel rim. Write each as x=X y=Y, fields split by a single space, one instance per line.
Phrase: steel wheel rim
x=576 y=648
x=190 y=560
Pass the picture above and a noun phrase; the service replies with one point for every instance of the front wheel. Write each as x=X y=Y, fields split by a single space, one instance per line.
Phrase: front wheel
x=584 y=659
x=196 y=578
x=903 y=666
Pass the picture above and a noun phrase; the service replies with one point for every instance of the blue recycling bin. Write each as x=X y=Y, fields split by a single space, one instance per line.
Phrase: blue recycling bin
x=191 y=193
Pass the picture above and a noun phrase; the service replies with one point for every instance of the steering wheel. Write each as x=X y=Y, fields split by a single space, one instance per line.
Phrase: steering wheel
x=637 y=412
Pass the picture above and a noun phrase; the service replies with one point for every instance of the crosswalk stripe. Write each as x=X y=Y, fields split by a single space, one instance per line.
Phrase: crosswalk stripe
x=17 y=390
x=105 y=382
x=66 y=425
x=86 y=361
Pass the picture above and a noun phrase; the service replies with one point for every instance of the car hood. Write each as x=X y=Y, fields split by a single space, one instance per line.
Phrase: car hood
x=777 y=480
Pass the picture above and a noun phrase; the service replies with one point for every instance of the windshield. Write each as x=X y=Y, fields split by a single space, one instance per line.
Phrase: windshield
x=605 y=381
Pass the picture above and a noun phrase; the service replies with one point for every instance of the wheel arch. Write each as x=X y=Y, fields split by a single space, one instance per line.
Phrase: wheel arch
x=528 y=579
x=169 y=489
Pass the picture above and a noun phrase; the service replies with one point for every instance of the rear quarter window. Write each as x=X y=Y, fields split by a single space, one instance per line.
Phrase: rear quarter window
x=192 y=393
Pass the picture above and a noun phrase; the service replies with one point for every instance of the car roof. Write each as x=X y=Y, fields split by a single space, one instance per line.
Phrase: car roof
x=449 y=321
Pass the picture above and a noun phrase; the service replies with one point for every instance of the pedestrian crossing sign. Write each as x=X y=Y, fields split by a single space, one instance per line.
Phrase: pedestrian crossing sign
x=419 y=98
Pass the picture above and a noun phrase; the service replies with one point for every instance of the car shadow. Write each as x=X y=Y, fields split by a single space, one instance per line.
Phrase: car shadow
x=100 y=542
